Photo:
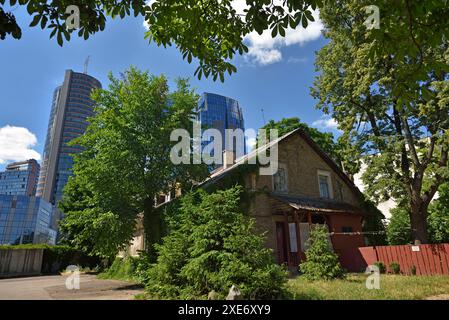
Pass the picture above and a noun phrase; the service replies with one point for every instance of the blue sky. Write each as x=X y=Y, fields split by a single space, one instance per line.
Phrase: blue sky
x=275 y=76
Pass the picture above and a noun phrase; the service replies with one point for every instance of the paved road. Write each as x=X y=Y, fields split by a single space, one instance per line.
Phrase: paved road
x=54 y=288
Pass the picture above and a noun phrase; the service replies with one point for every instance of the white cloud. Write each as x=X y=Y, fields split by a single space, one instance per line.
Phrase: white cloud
x=16 y=144
x=263 y=49
x=326 y=123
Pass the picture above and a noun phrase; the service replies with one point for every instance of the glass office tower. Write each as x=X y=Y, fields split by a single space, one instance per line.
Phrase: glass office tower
x=220 y=112
x=20 y=178
x=71 y=106
x=25 y=219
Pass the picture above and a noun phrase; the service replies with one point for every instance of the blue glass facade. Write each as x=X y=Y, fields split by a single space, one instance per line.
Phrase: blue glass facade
x=71 y=106
x=25 y=219
x=20 y=178
x=220 y=112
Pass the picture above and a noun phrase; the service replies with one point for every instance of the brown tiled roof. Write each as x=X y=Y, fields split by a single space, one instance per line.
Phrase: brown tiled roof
x=317 y=204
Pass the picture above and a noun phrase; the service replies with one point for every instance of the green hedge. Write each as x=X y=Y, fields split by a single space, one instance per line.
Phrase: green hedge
x=57 y=258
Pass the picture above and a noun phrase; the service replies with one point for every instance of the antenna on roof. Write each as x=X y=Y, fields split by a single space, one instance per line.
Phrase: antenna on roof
x=263 y=117
x=86 y=63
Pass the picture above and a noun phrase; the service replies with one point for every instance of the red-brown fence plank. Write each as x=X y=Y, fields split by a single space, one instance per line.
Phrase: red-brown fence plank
x=429 y=260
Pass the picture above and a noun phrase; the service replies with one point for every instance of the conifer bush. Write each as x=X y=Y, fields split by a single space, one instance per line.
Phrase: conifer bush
x=321 y=262
x=211 y=246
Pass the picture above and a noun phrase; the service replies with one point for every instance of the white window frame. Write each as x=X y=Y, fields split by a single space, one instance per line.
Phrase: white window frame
x=284 y=167
x=329 y=180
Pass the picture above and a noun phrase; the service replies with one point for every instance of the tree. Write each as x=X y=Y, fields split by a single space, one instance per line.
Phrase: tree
x=439 y=216
x=398 y=228
x=211 y=246
x=324 y=139
x=214 y=32
x=388 y=90
x=210 y=30
x=126 y=161
x=321 y=262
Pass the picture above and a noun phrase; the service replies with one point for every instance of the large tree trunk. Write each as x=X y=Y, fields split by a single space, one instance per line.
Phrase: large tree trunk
x=152 y=224
x=418 y=221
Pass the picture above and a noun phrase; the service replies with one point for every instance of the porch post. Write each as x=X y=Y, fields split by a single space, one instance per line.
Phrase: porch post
x=298 y=235
x=287 y=237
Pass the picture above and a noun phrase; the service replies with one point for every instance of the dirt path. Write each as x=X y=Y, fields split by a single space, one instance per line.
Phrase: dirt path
x=54 y=288
x=439 y=297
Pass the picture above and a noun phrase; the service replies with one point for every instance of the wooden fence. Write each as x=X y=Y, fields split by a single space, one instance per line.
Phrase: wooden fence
x=428 y=259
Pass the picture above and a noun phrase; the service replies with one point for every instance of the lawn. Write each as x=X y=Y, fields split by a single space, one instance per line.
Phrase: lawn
x=353 y=288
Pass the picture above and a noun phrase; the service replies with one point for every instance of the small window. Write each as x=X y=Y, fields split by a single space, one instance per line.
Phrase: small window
x=325 y=185
x=346 y=229
x=280 y=180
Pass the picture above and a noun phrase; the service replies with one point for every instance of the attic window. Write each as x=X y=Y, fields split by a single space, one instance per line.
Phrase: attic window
x=325 y=185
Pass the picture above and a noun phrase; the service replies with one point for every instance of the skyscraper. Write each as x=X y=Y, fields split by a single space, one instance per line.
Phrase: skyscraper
x=71 y=106
x=20 y=178
x=25 y=219
x=221 y=113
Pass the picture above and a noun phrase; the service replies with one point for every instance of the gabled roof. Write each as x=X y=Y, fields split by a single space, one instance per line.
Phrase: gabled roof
x=221 y=173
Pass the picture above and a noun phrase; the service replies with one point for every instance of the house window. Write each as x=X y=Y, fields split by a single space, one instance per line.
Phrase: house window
x=324 y=182
x=346 y=229
x=280 y=180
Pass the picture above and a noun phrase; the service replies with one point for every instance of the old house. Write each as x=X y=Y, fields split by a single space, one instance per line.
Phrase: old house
x=308 y=188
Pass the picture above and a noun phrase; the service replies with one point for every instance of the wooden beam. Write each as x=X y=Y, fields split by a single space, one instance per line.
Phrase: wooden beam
x=287 y=238
x=298 y=235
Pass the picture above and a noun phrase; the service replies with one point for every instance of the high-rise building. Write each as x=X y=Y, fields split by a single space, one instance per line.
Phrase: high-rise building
x=25 y=219
x=20 y=178
x=71 y=106
x=221 y=113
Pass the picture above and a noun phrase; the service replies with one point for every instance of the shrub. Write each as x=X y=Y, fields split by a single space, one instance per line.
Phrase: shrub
x=413 y=270
x=381 y=266
x=212 y=246
x=121 y=269
x=321 y=262
x=395 y=268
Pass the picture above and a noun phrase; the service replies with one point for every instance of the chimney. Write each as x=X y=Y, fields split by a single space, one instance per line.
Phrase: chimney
x=228 y=158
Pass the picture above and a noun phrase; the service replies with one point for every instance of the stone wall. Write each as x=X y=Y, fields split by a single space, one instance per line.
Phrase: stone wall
x=20 y=262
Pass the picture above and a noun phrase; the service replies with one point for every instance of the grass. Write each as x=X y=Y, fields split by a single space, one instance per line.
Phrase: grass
x=121 y=269
x=392 y=287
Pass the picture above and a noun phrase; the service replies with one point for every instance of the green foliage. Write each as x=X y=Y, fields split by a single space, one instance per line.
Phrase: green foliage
x=212 y=246
x=121 y=269
x=395 y=268
x=388 y=90
x=126 y=162
x=373 y=222
x=213 y=32
x=321 y=262
x=438 y=221
x=209 y=30
x=381 y=266
x=398 y=229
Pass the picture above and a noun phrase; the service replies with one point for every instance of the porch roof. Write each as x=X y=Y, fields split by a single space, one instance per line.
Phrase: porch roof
x=317 y=204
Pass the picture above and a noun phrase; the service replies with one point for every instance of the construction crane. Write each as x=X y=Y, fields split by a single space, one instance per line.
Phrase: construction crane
x=86 y=64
